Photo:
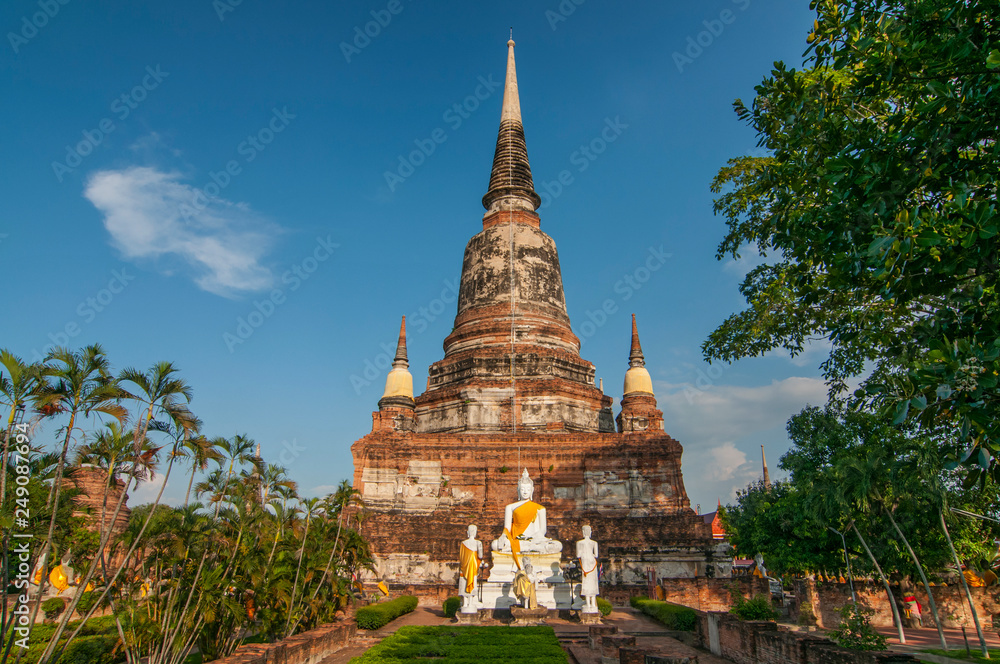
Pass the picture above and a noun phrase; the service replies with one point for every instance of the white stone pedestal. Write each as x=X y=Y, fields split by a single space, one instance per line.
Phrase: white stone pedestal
x=546 y=567
x=498 y=595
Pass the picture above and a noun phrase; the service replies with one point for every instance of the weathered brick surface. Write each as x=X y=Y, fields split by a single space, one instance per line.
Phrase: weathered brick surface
x=309 y=647
x=513 y=391
x=632 y=655
x=738 y=638
x=749 y=642
x=826 y=598
x=612 y=642
x=91 y=480
x=595 y=632
x=786 y=647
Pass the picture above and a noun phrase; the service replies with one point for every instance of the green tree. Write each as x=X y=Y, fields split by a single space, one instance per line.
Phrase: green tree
x=17 y=388
x=775 y=522
x=877 y=210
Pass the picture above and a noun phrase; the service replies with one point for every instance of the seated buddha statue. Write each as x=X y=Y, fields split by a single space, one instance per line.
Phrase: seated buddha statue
x=524 y=525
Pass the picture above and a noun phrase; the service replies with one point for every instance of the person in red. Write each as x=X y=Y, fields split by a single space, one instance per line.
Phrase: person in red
x=913 y=610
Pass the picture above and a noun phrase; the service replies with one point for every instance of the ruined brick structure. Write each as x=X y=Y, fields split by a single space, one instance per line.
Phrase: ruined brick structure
x=91 y=481
x=513 y=393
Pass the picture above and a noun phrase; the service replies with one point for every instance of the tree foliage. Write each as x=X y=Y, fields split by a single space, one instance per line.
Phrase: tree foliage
x=255 y=557
x=877 y=210
x=852 y=467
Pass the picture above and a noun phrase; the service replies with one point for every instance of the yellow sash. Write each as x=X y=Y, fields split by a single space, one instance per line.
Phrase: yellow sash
x=468 y=566
x=586 y=571
x=522 y=517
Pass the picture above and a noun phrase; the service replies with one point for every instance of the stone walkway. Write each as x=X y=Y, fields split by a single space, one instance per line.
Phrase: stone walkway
x=918 y=639
x=572 y=635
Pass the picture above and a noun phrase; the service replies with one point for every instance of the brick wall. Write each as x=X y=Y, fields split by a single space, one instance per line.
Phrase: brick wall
x=700 y=593
x=760 y=642
x=953 y=609
x=306 y=648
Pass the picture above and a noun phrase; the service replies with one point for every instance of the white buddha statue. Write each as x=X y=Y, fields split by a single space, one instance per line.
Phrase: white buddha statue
x=586 y=553
x=524 y=525
x=470 y=555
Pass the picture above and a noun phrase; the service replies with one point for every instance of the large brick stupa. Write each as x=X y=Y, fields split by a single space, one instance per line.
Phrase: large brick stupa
x=513 y=393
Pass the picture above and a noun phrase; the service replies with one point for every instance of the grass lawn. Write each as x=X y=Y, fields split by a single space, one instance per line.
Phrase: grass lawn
x=977 y=654
x=467 y=645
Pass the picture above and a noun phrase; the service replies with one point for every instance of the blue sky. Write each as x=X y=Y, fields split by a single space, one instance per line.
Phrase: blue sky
x=206 y=183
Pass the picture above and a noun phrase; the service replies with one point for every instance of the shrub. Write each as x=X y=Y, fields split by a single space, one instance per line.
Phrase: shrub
x=673 y=616
x=604 y=606
x=855 y=630
x=97 y=643
x=86 y=603
x=634 y=601
x=451 y=606
x=757 y=607
x=97 y=649
x=375 y=616
x=53 y=607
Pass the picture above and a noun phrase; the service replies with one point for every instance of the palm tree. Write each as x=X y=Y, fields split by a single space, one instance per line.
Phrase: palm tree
x=23 y=385
x=856 y=488
x=272 y=477
x=311 y=508
x=111 y=451
x=159 y=392
x=965 y=586
x=334 y=504
x=82 y=384
x=201 y=451
x=236 y=451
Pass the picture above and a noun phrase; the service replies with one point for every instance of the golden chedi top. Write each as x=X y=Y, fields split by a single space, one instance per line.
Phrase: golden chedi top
x=637 y=378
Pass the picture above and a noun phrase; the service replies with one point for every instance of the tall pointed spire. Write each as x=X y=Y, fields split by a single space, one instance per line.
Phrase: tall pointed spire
x=637 y=377
x=767 y=475
x=400 y=360
x=511 y=186
x=635 y=357
x=399 y=381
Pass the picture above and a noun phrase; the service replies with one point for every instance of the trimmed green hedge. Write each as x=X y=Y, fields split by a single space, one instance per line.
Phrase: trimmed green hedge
x=451 y=606
x=673 y=616
x=604 y=606
x=97 y=649
x=375 y=616
x=98 y=643
x=467 y=645
x=53 y=607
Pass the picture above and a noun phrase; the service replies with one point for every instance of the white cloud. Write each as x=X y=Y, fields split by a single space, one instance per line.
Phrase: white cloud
x=721 y=427
x=150 y=214
x=720 y=413
x=750 y=258
x=814 y=353
x=726 y=460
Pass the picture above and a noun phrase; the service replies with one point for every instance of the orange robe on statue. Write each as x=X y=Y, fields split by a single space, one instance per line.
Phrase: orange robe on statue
x=522 y=517
x=468 y=565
